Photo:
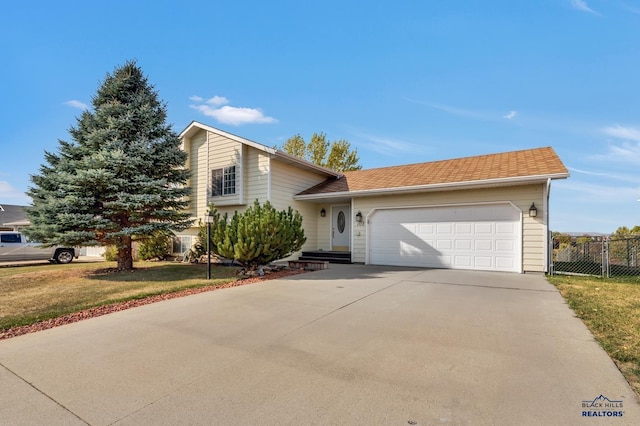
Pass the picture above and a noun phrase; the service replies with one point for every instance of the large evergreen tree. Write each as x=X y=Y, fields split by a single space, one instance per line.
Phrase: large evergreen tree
x=121 y=178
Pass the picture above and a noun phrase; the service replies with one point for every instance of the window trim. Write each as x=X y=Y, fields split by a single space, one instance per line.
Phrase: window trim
x=224 y=181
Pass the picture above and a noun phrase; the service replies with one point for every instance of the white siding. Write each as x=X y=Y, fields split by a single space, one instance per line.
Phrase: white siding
x=521 y=196
x=225 y=152
x=286 y=181
x=256 y=175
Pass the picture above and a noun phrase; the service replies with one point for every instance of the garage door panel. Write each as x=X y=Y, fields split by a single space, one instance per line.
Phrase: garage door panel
x=483 y=237
x=463 y=228
x=463 y=245
x=505 y=228
x=444 y=244
x=465 y=262
x=505 y=263
x=483 y=244
x=483 y=262
x=426 y=229
x=483 y=228
x=505 y=245
x=444 y=228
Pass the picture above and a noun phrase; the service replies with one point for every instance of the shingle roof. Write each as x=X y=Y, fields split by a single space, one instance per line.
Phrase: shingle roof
x=12 y=213
x=539 y=162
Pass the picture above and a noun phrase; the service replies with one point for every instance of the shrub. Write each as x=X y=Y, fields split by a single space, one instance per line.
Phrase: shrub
x=110 y=254
x=258 y=236
x=154 y=247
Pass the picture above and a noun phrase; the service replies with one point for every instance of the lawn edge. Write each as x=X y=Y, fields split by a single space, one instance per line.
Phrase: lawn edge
x=109 y=308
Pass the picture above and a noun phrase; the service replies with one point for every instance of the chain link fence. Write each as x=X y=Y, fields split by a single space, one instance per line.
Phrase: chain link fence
x=605 y=256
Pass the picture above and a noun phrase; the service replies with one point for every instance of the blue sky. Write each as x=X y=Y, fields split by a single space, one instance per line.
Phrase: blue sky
x=404 y=81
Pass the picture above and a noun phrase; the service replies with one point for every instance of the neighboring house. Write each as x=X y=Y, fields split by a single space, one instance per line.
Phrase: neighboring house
x=13 y=217
x=488 y=212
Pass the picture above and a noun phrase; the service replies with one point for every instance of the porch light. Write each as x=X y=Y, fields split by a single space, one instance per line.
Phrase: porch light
x=323 y=212
x=533 y=210
x=359 y=217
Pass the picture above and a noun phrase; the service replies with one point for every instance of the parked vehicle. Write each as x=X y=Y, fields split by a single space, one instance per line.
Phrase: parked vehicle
x=16 y=246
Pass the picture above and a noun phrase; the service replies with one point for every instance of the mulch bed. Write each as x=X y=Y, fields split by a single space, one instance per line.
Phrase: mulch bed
x=107 y=309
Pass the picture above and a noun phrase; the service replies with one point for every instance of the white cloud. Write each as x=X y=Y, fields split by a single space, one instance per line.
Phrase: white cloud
x=77 y=104
x=469 y=113
x=622 y=132
x=625 y=152
x=218 y=100
x=9 y=193
x=233 y=115
x=628 y=152
x=597 y=194
x=632 y=178
x=462 y=112
x=387 y=146
x=582 y=6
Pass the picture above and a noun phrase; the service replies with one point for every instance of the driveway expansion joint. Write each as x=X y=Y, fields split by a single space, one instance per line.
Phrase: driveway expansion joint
x=486 y=286
x=34 y=387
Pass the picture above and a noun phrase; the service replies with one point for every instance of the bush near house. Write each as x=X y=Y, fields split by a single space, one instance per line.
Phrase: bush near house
x=255 y=237
x=155 y=247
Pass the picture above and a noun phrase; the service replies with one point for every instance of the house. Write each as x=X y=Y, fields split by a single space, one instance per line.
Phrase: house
x=488 y=212
x=13 y=217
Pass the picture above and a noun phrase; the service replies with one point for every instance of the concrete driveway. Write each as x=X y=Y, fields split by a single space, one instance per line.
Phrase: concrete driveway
x=350 y=345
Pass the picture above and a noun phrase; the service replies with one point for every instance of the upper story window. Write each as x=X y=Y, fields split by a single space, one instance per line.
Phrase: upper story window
x=223 y=181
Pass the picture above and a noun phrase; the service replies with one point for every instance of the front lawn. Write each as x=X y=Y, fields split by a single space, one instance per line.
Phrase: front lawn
x=611 y=310
x=31 y=294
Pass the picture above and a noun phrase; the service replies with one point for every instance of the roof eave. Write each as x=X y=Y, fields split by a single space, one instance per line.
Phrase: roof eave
x=476 y=184
x=194 y=126
x=306 y=164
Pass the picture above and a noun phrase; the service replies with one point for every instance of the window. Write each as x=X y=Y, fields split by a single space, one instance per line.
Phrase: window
x=223 y=181
x=10 y=238
x=181 y=243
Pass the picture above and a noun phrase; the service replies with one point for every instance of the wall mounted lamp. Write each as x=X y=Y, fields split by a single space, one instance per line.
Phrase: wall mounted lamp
x=359 y=217
x=533 y=210
x=323 y=212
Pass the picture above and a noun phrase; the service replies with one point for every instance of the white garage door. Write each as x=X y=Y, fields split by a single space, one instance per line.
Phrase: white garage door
x=484 y=237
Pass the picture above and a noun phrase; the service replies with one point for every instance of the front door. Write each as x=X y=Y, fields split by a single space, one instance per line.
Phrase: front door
x=340 y=228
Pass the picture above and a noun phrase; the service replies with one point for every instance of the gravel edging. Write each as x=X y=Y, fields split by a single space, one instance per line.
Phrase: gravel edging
x=115 y=307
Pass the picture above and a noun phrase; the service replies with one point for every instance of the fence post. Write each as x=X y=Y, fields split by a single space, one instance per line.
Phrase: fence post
x=605 y=257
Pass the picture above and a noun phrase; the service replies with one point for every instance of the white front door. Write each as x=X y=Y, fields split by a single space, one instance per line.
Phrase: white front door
x=340 y=228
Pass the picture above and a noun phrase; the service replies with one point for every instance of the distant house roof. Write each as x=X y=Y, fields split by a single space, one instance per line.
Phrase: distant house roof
x=508 y=168
x=11 y=214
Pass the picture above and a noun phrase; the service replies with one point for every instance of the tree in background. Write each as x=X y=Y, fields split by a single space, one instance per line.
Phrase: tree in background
x=122 y=178
x=623 y=231
x=336 y=155
x=255 y=237
x=624 y=246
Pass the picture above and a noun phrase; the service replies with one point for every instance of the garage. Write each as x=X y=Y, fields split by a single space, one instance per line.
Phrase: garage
x=478 y=237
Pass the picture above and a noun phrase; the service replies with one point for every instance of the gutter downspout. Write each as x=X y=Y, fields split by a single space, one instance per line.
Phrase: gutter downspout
x=547 y=240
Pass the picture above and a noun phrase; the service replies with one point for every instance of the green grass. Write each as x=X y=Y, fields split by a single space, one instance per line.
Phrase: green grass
x=611 y=310
x=31 y=294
